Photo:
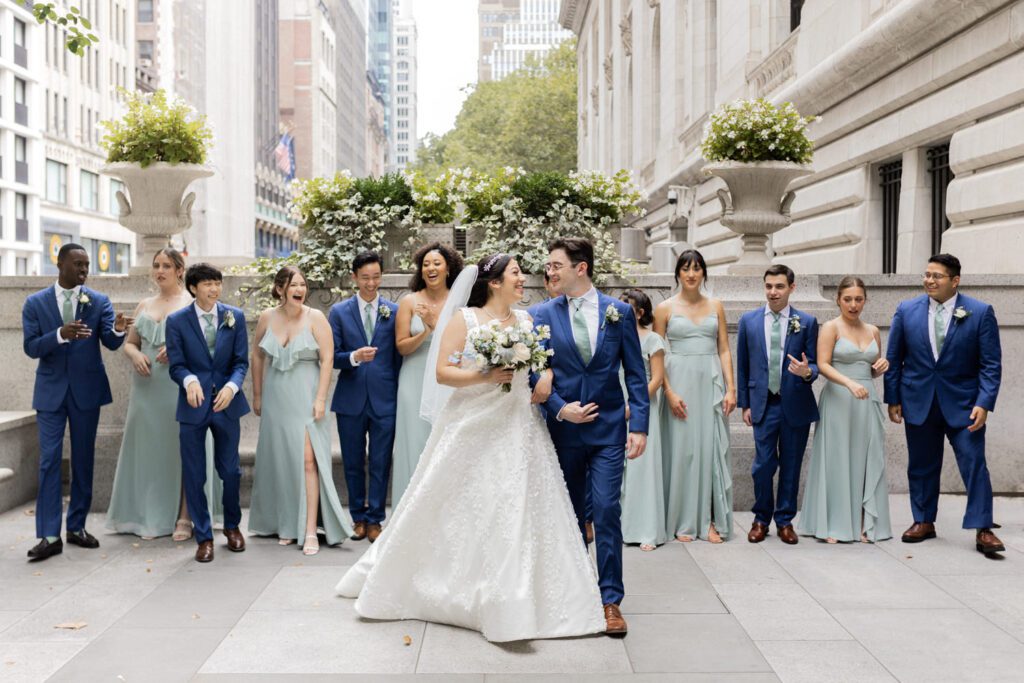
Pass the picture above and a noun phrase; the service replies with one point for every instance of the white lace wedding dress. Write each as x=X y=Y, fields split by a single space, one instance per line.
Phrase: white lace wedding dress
x=485 y=536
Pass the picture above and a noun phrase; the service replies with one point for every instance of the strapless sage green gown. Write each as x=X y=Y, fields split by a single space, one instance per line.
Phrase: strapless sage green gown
x=146 y=496
x=846 y=477
x=411 y=431
x=290 y=381
x=698 y=474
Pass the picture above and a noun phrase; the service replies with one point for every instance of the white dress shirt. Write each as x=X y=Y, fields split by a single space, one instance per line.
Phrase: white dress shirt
x=76 y=292
x=362 y=315
x=769 y=320
x=947 y=313
x=590 y=313
x=202 y=326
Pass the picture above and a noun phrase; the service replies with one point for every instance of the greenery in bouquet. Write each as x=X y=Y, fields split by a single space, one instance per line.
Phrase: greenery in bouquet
x=516 y=347
x=156 y=128
x=757 y=130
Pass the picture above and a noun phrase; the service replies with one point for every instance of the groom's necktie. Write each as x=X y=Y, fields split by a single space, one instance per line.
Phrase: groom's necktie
x=210 y=330
x=579 y=329
x=775 y=357
x=940 y=329
x=368 y=322
x=68 y=312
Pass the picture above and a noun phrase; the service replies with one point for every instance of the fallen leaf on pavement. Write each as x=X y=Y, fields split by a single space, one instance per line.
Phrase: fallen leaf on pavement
x=135 y=545
x=30 y=512
x=407 y=640
x=72 y=625
x=196 y=616
x=37 y=573
x=149 y=570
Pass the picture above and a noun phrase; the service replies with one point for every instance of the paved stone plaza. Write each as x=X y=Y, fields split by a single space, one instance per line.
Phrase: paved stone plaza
x=146 y=612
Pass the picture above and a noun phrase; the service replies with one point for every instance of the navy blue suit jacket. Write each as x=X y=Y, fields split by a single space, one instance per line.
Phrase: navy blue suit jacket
x=967 y=373
x=188 y=354
x=798 y=404
x=618 y=345
x=373 y=383
x=79 y=359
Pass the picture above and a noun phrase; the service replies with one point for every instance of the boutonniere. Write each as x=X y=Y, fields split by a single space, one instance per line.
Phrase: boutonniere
x=611 y=314
x=229 y=319
x=794 y=325
x=84 y=300
x=384 y=312
x=961 y=313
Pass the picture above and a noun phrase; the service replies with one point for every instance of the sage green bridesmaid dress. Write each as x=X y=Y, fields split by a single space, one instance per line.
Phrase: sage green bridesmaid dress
x=411 y=431
x=146 y=496
x=698 y=474
x=278 y=507
x=846 y=478
x=643 y=489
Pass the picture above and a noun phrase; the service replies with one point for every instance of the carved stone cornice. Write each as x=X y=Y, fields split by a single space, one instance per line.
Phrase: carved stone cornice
x=595 y=99
x=609 y=71
x=776 y=69
x=653 y=3
x=626 y=30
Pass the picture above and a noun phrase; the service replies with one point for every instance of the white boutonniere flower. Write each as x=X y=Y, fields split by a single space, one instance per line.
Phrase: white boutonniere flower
x=384 y=312
x=229 y=319
x=961 y=313
x=611 y=314
x=84 y=300
x=794 y=325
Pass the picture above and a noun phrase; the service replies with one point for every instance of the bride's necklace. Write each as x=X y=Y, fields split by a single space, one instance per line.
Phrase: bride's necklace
x=500 y=320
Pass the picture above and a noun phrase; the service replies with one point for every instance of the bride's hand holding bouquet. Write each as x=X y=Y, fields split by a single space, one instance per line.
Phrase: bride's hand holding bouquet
x=513 y=348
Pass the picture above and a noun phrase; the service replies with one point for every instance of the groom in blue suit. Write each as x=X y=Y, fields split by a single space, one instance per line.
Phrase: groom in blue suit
x=63 y=327
x=366 y=395
x=208 y=356
x=945 y=365
x=593 y=335
x=775 y=368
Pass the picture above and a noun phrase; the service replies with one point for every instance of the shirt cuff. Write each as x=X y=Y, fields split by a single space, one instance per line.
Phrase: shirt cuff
x=60 y=339
x=118 y=334
x=559 y=416
x=353 y=361
x=188 y=380
x=233 y=387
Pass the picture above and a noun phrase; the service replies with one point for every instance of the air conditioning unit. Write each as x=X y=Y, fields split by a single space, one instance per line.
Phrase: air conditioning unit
x=145 y=63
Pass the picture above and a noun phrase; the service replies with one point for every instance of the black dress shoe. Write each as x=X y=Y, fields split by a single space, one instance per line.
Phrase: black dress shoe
x=83 y=538
x=45 y=549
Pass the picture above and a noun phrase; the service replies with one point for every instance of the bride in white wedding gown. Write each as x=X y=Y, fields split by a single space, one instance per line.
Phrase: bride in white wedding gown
x=485 y=536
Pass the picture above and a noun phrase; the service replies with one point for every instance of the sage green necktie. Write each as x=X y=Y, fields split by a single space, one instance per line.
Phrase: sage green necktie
x=368 y=322
x=775 y=357
x=940 y=328
x=68 y=312
x=210 y=330
x=579 y=329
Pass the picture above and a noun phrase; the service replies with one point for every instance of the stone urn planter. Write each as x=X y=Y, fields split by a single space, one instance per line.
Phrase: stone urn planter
x=755 y=205
x=156 y=205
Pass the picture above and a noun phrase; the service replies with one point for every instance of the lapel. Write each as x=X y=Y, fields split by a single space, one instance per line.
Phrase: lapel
x=602 y=305
x=920 y=326
x=80 y=308
x=759 y=335
x=221 y=331
x=562 y=320
x=355 y=309
x=954 y=325
x=793 y=313
x=378 y=321
x=50 y=295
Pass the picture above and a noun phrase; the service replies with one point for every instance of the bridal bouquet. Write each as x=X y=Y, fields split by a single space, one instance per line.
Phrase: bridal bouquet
x=517 y=347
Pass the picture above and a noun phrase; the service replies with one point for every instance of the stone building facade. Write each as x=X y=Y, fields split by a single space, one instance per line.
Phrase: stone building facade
x=919 y=145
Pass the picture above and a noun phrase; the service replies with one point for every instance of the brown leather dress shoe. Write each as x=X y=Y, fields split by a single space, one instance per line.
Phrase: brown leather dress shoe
x=919 y=531
x=358 y=531
x=236 y=542
x=589 y=526
x=988 y=542
x=204 y=553
x=615 y=625
x=758 y=532
x=372 y=531
x=788 y=536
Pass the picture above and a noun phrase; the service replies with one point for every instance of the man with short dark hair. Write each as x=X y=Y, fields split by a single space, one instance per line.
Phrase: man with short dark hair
x=63 y=327
x=776 y=351
x=208 y=356
x=945 y=368
x=366 y=395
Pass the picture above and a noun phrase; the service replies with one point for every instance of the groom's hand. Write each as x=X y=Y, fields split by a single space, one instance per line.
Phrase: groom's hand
x=979 y=415
x=577 y=414
x=896 y=413
x=636 y=443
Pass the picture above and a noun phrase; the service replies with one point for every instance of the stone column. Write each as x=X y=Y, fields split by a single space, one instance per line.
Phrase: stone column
x=914 y=239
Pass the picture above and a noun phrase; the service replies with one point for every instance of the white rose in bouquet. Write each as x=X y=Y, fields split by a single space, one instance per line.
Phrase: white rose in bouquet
x=521 y=352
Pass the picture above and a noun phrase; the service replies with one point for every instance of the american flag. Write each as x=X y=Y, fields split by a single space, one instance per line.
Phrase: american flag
x=284 y=156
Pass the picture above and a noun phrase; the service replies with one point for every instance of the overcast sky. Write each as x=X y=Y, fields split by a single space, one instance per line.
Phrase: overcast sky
x=447 y=60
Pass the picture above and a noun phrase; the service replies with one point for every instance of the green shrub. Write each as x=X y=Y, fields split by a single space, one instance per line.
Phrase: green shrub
x=757 y=130
x=154 y=129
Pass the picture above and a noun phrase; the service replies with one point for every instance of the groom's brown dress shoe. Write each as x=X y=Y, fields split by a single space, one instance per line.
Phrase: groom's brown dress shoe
x=758 y=532
x=204 y=553
x=358 y=531
x=236 y=542
x=372 y=532
x=615 y=625
x=919 y=531
x=988 y=543
x=788 y=536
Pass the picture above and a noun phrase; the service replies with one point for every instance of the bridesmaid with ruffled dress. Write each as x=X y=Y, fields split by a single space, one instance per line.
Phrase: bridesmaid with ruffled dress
x=147 y=496
x=292 y=360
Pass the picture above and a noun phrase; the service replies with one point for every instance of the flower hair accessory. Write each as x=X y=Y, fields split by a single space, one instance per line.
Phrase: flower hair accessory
x=490 y=263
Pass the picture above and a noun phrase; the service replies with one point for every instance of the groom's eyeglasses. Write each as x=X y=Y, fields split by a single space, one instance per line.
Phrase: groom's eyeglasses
x=554 y=266
x=938 y=277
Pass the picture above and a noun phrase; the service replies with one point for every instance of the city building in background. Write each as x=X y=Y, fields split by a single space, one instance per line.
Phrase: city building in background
x=78 y=203
x=403 y=106
x=916 y=99
x=351 y=78
x=376 y=135
x=512 y=30
x=379 y=35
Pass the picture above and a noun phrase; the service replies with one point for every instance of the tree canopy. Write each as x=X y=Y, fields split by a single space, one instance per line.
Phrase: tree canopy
x=527 y=120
